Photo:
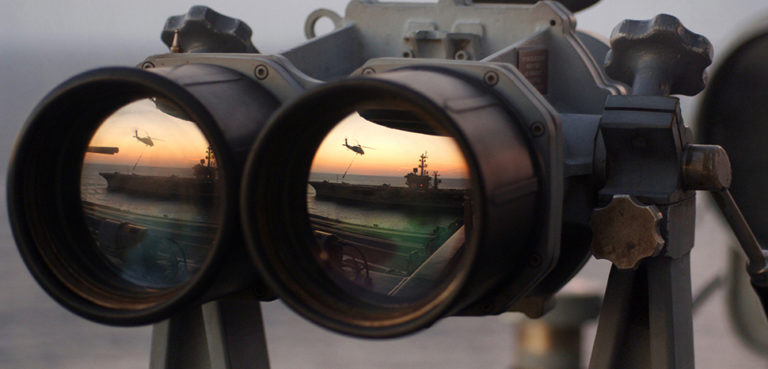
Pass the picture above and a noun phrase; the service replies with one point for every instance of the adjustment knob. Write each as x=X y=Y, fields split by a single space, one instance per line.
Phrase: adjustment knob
x=658 y=57
x=202 y=30
x=626 y=232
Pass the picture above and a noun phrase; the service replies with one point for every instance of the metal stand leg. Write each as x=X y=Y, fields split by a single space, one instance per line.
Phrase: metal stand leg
x=646 y=319
x=223 y=334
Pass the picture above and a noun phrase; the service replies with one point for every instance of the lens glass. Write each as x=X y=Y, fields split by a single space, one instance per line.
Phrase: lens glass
x=149 y=191
x=389 y=205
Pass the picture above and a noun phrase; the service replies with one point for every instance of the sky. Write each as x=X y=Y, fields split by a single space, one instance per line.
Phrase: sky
x=176 y=143
x=389 y=152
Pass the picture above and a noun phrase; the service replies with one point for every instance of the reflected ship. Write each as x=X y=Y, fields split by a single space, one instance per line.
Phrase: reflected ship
x=421 y=191
x=201 y=186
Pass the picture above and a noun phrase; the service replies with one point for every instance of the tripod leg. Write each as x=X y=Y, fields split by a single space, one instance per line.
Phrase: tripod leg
x=670 y=312
x=235 y=332
x=621 y=317
x=646 y=320
x=223 y=334
x=180 y=342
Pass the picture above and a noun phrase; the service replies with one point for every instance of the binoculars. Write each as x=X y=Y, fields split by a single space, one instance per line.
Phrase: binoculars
x=135 y=193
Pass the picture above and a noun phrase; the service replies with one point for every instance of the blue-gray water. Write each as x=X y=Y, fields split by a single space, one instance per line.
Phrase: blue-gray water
x=35 y=332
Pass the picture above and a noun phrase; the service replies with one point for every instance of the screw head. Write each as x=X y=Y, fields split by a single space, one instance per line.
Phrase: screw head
x=461 y=55
x=147 y=65
x=261 y=72
x=537 y=128
x=368 y=71
x=491 y=78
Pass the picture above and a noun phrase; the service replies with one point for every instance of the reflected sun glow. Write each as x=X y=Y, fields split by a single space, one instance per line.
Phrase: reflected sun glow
x=175 y=142
x=389 y=152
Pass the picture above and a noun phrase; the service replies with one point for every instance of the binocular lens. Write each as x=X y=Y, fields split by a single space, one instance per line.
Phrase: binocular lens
x=122 y=189
x=388 y=229
x=376 y=205
x=149 y=194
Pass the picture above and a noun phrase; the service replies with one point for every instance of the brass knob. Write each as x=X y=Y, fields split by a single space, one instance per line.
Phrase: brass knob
x=625 y=232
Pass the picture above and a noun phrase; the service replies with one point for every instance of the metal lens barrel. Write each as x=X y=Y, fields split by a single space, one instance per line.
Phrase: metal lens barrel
x=122 y=189
x=376 y=205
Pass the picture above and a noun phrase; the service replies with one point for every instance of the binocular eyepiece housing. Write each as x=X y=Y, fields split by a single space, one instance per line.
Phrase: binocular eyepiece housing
x=127 y=241
x=480 y=219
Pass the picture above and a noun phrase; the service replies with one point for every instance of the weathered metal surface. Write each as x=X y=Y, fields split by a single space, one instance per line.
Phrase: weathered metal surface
x=658 y=57
x=645 y=320
x=706 y=167
x=626 y=232
x=202 y=30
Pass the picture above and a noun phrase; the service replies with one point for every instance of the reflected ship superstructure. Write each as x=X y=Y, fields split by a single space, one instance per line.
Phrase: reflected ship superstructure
x=422 y=191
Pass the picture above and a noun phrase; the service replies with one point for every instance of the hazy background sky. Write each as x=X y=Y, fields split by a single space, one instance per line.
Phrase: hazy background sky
x=42 y=43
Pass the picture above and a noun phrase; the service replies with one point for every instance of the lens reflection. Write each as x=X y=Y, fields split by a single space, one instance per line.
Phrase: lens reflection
x=389 y=208
x=149 y=189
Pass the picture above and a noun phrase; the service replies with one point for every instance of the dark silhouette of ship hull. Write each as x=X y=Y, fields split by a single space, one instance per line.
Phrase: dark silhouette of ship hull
x=422 y=191
x=160 y=187
x=389 y=196
x=199 y=188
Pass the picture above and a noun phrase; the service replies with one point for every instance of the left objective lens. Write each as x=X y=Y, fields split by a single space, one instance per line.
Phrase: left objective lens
x=152 y=205
x=122 y=189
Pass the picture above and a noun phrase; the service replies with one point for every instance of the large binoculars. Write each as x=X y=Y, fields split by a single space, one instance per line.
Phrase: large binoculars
x=376 y=178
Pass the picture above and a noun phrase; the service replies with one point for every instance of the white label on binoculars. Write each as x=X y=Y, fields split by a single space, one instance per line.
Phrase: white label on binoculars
x=149 y=194
x=389 y=207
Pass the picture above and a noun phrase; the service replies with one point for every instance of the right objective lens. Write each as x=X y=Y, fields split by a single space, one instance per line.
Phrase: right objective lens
x=388 y=208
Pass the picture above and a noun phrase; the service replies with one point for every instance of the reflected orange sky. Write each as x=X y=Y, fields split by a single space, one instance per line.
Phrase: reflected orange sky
x=177 y=143
x=395 y=152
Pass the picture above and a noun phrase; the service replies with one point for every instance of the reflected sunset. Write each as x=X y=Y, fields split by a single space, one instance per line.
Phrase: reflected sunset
x=387 y=151
x=175 y=142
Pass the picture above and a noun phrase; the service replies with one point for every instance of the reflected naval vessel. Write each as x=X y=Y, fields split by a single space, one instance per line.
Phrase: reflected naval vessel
x=201 y=186
x=421 y=191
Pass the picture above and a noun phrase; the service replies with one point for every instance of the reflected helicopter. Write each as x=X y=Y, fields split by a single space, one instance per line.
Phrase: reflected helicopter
x=358 y=149
x=146 y=140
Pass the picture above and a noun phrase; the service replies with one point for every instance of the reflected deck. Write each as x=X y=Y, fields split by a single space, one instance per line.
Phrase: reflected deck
x=118 y=231
x=391 y=256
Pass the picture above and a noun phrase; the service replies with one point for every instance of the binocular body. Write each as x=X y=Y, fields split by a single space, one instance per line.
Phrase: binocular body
x=125 y=228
